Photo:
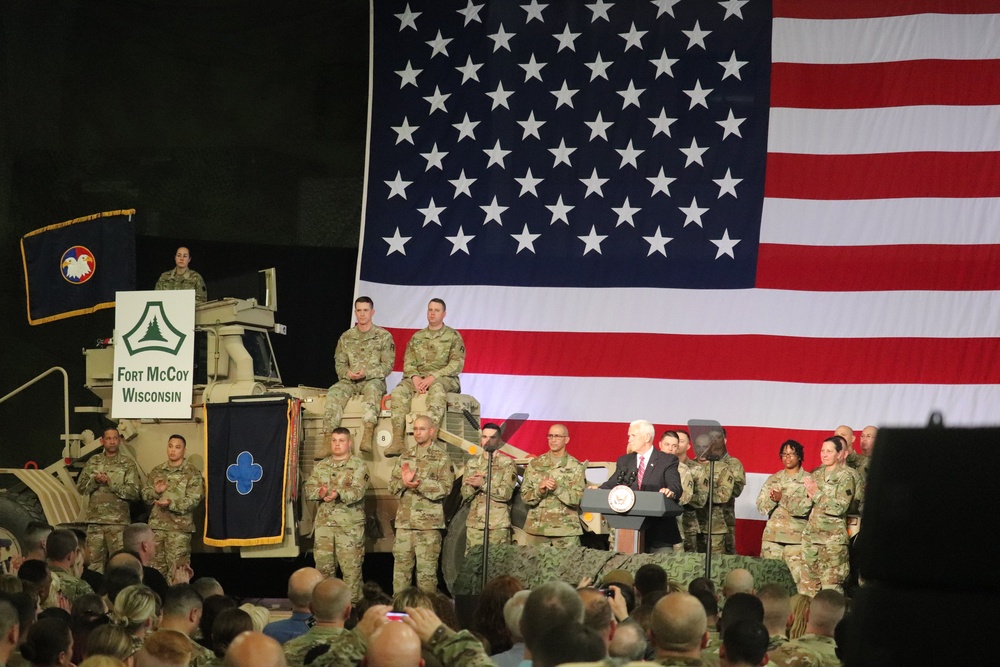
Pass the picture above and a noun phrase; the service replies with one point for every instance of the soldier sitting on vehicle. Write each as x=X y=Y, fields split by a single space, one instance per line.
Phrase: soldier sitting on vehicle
x=363 y=358
x=434 y=357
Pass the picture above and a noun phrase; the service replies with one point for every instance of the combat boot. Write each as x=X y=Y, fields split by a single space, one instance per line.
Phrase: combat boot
x=366 y=438
x=395 y=447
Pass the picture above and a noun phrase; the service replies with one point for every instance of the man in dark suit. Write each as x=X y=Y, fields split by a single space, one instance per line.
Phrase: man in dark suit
x=657 y=472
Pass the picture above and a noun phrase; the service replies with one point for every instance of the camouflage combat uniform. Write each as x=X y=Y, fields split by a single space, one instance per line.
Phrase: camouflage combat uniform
x=824 y=542
x=691 y=492
x=730 y=479
x=420 y=516
x=554 y=516
x=458 y=649
x=65 y=583
x=806 y=651
x=295 y=650
x=340 y=524
x=190 y=279
x=782 y=538
x=346 y=650
x=439 y=353
x=501 y=491
x=690 y=523
x=854 y=511
x=174 y=524
x=108 y=511
x=863 y=466
x=371 y=351
x=200 y=656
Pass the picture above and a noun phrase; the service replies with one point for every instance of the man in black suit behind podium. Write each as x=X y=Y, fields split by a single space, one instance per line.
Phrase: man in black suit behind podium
x=659 y=473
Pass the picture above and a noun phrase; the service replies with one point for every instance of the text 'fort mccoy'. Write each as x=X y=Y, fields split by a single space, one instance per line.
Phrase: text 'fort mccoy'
x=152 y=374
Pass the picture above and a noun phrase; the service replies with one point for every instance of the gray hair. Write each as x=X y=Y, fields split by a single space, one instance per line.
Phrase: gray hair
x=645 y=428
x=512 y=611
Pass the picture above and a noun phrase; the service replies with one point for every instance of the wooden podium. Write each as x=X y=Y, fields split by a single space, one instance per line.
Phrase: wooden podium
x=629 y=533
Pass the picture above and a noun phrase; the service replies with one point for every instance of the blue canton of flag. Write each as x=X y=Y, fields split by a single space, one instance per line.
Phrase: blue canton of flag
x=604 y=144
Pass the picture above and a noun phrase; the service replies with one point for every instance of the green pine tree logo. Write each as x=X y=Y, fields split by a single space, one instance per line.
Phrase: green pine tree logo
x=153 y=332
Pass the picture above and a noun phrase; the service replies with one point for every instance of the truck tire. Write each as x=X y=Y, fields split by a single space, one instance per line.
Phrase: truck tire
x=17 y=510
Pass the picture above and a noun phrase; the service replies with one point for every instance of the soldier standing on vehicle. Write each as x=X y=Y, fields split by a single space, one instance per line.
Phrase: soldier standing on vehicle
x=501 y=491
x=422 y=479
x=182 y=277
x=338 y=483
x=363 y=358
x=111 y=480
x=173 y=489
x=434 y=357
x=552 y=489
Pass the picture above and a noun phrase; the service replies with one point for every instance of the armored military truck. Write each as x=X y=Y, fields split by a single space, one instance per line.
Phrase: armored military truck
x=235 y=360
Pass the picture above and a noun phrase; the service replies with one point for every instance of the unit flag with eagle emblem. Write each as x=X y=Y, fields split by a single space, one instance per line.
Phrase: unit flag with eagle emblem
x=75 y=267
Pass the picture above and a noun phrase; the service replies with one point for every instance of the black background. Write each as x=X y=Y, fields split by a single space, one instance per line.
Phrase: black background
x=236 y=128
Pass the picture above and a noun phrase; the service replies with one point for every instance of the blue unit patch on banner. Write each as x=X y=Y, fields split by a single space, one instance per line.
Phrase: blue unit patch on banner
x=244 y=473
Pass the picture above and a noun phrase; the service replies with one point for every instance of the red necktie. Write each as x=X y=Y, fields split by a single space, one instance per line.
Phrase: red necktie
x=642 y=469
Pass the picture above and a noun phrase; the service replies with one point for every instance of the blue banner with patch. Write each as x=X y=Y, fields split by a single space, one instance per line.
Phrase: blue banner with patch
x=246 y=464
x=75 y=267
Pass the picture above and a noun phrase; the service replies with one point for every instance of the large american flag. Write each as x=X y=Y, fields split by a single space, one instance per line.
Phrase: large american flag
x=783 y=216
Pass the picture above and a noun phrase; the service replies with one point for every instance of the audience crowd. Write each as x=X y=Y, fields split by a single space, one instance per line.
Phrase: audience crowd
x=51 y=616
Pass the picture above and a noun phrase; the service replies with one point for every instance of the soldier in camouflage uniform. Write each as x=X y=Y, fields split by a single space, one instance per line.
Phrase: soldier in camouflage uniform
x=363 y=358
x=690 y=526
x=824 y=542
x=111 y=480
x=678 y=631
x=868 y=435
x=173 y=490
x=730 y=479
x=783 y=499
x=181 y=277
x=330 y=605
x=422 y=479
x=851 y=460
x=391 y=645
x=501 y=491
x=182 y=610
x=552 y=489
x=670 y=444
x=63 y=551
x=434 y=357
x=338 y=483
x=817 y=647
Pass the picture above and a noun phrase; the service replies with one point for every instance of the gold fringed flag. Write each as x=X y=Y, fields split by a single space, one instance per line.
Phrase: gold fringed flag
x=246 y=463
x=75 y=267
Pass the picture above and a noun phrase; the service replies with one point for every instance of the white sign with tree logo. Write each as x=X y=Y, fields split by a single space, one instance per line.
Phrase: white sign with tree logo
x=154 y=354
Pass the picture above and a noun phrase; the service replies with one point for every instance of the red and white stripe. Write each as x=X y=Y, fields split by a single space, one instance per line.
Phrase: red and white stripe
x=878 y=288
